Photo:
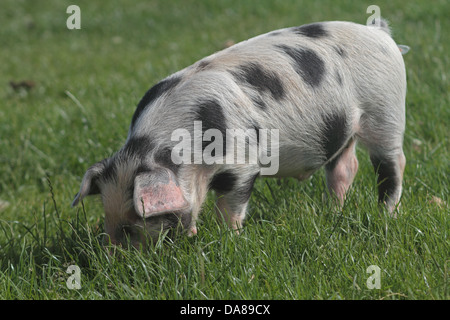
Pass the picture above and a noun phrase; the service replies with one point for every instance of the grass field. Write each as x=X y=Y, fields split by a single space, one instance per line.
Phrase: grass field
x=75 y=107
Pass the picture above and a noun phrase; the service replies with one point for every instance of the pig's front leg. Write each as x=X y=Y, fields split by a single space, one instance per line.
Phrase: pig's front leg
x=232 y=213
x=192 y=231
x=233 y=195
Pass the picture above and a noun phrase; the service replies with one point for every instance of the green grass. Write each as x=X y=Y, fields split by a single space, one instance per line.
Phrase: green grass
x=293 y=246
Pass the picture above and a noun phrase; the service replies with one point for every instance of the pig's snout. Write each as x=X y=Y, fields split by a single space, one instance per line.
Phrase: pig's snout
x=149 y=230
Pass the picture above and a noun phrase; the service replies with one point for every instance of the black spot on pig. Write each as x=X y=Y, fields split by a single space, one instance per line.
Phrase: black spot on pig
x=334 y=133
x=163 y=157
x=260 y=79
x=223 y=182
x=137 y=147
x=142 y=168
x=306 y=63
x=245 y=190
x=154 y=93
x=313 y=30
x=211 y=115
x=388 y=178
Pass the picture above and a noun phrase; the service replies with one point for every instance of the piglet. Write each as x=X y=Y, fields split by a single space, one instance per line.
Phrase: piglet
x=281 y=104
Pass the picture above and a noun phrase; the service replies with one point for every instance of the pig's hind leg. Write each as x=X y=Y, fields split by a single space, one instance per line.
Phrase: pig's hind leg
x=389 y=169
x=382 y=133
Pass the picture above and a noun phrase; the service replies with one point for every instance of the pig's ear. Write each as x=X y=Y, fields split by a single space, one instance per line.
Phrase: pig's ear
x=157 y=192
x=88 y=185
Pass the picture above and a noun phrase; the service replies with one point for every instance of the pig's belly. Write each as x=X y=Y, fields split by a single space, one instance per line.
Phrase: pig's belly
x=298 y=163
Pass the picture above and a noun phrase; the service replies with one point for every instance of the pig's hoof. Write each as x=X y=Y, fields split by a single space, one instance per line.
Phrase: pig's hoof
x=192 y=232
